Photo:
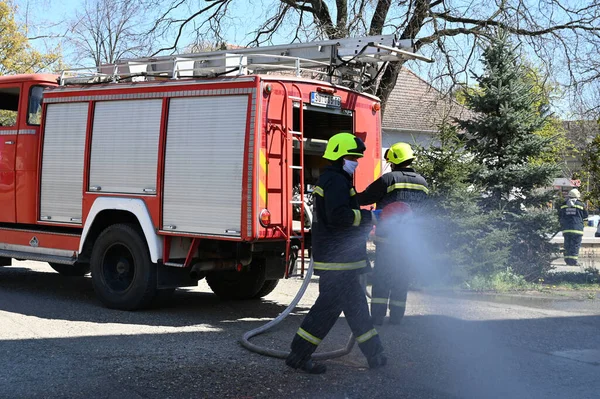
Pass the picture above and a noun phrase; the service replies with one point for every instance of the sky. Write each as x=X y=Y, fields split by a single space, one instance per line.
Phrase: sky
x=50 y=18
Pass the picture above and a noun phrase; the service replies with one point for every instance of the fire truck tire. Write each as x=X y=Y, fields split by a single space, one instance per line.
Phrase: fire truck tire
x=231 y=284
x=267 y=288
x=123 y=274
x=76 y=270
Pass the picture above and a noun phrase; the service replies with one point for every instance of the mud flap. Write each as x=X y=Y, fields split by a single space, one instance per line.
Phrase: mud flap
x=173 y=277
x=275 y=267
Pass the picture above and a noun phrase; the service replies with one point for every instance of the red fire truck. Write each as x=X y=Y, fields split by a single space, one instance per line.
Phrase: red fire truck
x=155 y=173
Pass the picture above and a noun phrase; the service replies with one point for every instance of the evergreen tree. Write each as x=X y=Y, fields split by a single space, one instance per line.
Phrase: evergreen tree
x=507 y=151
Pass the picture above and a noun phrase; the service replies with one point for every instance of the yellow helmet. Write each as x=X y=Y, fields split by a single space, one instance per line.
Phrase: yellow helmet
x=343 y=144
x=399 y=153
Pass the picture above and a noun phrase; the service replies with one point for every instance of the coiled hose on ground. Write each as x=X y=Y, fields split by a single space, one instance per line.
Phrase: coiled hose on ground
x=245 y=341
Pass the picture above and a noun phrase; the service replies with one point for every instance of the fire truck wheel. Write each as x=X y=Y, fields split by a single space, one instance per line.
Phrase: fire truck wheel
x=267 y=288
x=231 y=284
x=123 y=274
x=76 y=270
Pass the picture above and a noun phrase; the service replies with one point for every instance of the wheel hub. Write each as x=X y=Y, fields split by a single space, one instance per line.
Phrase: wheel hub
x=118 y=267
x=122 y=267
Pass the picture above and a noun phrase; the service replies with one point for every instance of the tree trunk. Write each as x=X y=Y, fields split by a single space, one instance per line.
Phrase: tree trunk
x=387 y=84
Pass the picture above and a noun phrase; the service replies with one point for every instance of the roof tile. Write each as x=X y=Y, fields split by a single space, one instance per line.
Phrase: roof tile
x=416 y=105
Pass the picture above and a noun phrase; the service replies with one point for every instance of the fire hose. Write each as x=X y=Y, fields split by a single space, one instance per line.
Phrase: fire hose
x=245 y=341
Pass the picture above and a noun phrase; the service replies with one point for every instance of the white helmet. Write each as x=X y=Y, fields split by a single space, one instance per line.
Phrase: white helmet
x=574 y=193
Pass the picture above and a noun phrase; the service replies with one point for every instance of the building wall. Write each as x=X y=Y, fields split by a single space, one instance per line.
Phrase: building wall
x=392 y=136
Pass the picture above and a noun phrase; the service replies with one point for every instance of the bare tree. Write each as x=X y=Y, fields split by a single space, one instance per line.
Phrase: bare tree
x=563 y=34
x=107 y=30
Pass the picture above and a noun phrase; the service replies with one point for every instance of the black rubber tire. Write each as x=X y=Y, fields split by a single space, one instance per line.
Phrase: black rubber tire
x=267 y=288
x=76 y=270
x=123 y=275
x=231 y=284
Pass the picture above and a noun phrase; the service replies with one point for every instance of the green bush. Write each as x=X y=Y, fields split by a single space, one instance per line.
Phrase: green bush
x=502 y=281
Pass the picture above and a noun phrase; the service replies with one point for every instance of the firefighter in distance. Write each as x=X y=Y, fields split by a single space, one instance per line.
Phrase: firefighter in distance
x=572 y=216
x=340 y=229
x=391 y=274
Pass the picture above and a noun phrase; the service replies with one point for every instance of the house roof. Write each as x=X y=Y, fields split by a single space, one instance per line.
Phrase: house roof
x=415 y=105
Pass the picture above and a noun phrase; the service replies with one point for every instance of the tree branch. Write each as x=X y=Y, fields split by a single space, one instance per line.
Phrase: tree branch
x=448 y=32
x=358 y=15
x=571 y=25
x=414 y=25
x=379 y=16
x=270 y=26
x=342 y=17
x=188 y=20
x=296 y=5
x=323 y=18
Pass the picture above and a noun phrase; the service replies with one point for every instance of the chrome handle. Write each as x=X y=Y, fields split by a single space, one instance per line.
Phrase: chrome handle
x=77 y=220
x=9 y=142
x=46 y=217
x=150 y=190
x=95 y=188
x=170 y=227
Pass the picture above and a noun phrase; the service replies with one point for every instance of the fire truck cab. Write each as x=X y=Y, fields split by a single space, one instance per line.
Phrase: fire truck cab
x=152 y=175
x=20 y=116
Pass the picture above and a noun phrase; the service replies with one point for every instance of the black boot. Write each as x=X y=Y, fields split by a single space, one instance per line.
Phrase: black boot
x=306 y=365
x=377 y=361
x=313 y=368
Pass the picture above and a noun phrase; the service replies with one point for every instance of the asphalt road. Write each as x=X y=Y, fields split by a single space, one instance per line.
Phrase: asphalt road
x=57 y=341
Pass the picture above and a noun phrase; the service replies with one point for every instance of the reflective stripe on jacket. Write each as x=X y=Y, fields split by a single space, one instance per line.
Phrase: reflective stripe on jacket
x=340 y=227
x=572 y=215
x=402 y=185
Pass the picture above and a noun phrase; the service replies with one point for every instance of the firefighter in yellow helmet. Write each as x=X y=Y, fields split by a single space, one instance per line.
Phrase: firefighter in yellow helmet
x=402 y=186
x=339 y=233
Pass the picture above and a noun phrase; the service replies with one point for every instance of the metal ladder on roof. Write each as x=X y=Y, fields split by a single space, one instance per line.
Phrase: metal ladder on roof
x=357 y=57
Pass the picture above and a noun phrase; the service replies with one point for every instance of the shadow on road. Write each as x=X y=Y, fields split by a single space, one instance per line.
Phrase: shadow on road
x=53 y=296
x=430 y=356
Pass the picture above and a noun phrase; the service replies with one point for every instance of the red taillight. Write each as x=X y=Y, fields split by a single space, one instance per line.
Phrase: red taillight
x=265 y=218
x=376 y=107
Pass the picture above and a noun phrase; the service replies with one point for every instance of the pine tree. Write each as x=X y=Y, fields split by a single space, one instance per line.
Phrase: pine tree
x=467 y=242
x=507 y=151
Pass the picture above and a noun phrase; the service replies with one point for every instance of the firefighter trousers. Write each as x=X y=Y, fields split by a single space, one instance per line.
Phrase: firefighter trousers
x=572 y=245
x=390 y=285
x=339 y=291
